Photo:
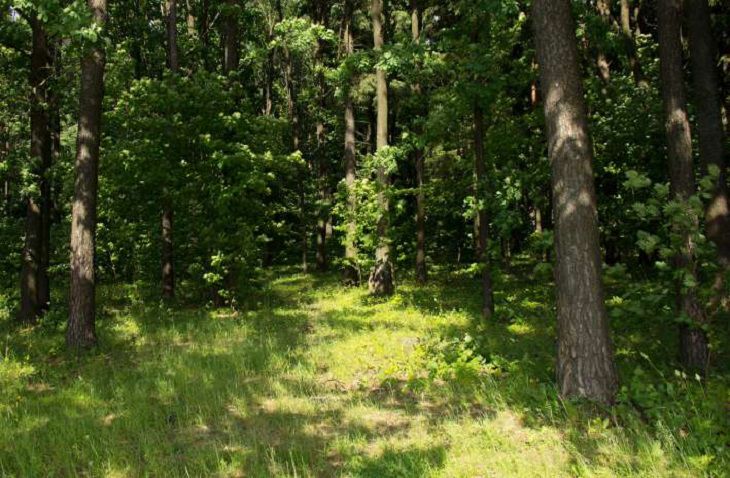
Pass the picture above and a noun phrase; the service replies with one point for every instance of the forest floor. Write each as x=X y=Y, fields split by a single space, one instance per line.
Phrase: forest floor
x=324 y=381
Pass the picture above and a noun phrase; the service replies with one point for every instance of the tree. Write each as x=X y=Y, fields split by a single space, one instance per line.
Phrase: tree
x=230 y=37
x=351 y=271
x=694 y=349
x=482 y=220
x=703 y=52
x=81 y=331
x=168 y=246
x=419 y=156
x=34 y=274
x=381 y=281
x=585 y=362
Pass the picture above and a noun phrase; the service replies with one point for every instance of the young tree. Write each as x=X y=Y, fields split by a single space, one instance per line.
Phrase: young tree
x=381 y=281
x=482 y=219
x=81 y=330
x=419 y=156
x=168 y=246
x=585 y=362
x=693 y=340
x=351 y=272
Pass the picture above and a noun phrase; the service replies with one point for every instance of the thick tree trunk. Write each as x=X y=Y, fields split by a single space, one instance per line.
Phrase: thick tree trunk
x=323 y=212
x=703 y=51
x=351 y=271
x=694 y=349
x=34 y=272
x=419 y=157
x=231 y=55
x=81 y=330
x=585 y=365
x=482 y=219
x=381 y=281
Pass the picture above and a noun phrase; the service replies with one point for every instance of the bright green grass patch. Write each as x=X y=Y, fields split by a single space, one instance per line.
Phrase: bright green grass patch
x=324 y=381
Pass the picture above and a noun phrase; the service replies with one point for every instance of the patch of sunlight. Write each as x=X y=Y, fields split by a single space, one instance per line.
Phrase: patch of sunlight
x=532 y=305
x=127 y=328
x=520 y=328
x=513 y=449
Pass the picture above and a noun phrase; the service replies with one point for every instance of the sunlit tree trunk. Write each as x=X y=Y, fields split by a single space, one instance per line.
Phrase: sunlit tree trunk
x=81 y=330
x=585 y=362
x=323 y=209
x=381 y=281
x=693 y=340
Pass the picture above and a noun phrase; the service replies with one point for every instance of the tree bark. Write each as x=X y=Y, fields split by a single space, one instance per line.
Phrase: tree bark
x=171 y=27
x=325 y=194
x=81 y=332
x=703 y=53
x=419 y=156
x=34 y=273
x=351 y=271
x=381 y=281
x=482 y=219
x=604 y=67
x=694 y=349
x=231 y=55
x=585 y=362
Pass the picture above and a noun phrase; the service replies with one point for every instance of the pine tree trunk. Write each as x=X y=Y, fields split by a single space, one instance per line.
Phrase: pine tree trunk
x=585 y=362
x=351 y=271
x=482 y=220
x=694 y=350
x=381 y=281
x=34 y=272
x=81 y=332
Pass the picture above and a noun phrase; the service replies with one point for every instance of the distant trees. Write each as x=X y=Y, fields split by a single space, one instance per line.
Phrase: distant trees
x=585 y=366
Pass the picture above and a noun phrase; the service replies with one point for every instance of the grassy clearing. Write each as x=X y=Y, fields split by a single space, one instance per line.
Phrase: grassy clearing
x=323 y=381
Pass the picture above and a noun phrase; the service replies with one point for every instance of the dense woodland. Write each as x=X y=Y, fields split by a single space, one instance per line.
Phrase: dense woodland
x=547 y=168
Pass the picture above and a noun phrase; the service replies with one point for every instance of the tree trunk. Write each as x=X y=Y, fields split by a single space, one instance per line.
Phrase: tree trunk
x=381 y=281
x=231 y=56
x=171 y=26
x=693 y=340
x=81 y=330
x=604 y=68
x=482 y=226
x=34 y=274
x=166 y=218
x=419 y=156
x=585 y=362
x=323 y=210
x=351 y=271
x=709 y=123
x=190 y=18
x=168 y=263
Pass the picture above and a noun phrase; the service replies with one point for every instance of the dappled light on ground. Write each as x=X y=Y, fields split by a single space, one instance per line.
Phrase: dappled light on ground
x=321 y=381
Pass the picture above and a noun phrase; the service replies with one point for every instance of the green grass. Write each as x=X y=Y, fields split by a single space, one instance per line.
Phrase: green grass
x=323 y=381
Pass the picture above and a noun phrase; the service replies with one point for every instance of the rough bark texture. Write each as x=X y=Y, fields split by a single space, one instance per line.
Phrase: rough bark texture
x=81 y=331
x=171 y=26
x=231 y=55
x=585 y=362
x=419 y=157
x=34 y=276
x=381 y=281
x=482 y=219
x=703 y=52
x=693 y=341
x=350 y=271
